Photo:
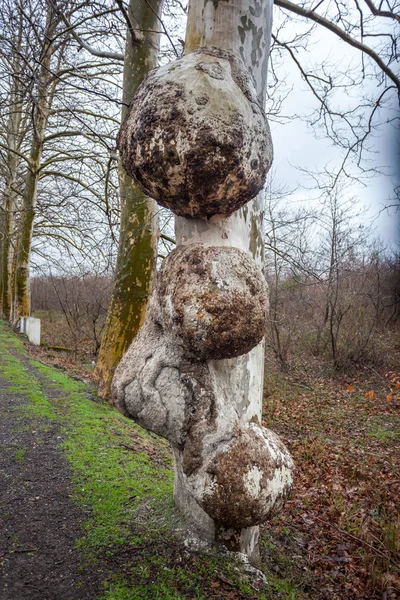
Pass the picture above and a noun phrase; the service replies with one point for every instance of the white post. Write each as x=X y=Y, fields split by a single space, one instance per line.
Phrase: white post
x=31 y=327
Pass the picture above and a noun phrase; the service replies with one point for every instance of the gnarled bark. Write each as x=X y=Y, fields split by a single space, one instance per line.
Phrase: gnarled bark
x=196 y=138
x=195 y=374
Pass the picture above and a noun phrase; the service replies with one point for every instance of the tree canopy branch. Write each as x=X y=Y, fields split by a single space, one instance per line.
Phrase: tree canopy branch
x=324 y=22
x=85 y=46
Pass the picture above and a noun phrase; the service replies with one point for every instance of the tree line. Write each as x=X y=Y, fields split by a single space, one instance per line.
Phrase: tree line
x=69 y=72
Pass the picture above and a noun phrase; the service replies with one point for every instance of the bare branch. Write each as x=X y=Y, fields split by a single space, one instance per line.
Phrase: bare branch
x=381 y=13
x=85 y=46
x=320 y=20
x=131 y=29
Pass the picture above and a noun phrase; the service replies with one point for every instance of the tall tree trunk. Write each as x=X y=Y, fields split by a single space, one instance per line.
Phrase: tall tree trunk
x=242 y=27
x=137 y=250
x=45 y=92
x=9 y=212
x=197 y=138
x=10 y=196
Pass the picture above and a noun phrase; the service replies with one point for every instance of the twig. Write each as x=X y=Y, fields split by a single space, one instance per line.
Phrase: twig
x=127 y=447
x=128 y=21
x=304 y=386
x=167 y=238
x=357 y=539
x=163 y=26
x=225 y=580
x=132 y=549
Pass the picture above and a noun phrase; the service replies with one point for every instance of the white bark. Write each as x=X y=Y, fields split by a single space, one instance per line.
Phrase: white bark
x=196 y=138
x=230 y=473
x=242 y=27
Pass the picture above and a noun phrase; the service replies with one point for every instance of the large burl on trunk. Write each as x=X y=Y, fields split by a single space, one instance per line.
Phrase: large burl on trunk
x=197 y=140
x=214 y=299
x=237 y=473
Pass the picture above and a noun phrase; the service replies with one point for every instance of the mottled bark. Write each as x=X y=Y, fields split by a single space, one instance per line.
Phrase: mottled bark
x=189 y=376
x=242 y=27
x=8 y=213
x=10 y=196
x=137 y=250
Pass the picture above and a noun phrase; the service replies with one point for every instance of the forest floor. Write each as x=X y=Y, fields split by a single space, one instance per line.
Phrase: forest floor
x=86 y=503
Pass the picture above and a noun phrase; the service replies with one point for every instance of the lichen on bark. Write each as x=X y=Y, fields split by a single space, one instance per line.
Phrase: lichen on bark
x=196 y=139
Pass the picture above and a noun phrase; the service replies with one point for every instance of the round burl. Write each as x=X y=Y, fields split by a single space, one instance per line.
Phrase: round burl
x=247 y=481
x=196 y=139
x=214 y=299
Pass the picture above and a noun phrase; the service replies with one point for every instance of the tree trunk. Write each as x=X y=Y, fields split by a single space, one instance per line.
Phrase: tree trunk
x=242 y=27
x=137 y=250
x=45 y=92
x=9 y=211
x=10 y=196
x=197 y=138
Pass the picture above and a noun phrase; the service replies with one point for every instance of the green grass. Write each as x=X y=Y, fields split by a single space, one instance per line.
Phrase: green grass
x=108 y=480
x=21 y=382
x=19 y=454
x=381 y=433
x=123 y=480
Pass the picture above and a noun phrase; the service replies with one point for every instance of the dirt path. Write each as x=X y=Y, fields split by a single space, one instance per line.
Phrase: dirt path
x=39 y=522
x=337 y=539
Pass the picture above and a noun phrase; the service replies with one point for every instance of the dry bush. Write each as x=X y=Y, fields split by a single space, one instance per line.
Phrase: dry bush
x=73 y=310
x=351 y=319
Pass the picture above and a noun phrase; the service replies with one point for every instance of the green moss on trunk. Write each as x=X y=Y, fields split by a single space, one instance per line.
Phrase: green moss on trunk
x=137 y=252
x=45 y=93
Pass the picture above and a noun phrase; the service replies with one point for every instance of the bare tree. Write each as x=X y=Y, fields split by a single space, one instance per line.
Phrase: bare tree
x=137 y=251
x=43 y=94
x=331 y=284
x=66 y=154
x=14 y=109
x=352 y=96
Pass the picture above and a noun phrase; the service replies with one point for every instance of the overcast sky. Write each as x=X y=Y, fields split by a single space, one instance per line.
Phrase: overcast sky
x=296 y=145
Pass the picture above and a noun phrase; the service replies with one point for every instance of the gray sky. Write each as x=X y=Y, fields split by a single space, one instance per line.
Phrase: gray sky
x=296 y=144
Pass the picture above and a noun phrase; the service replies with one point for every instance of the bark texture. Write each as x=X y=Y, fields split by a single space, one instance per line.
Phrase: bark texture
x=197 y=289
x=196 y=138
x=9 y=194
x=45 y=94
x=9 y=208
x=239 y=473
x=137 y=249
x=194 y=374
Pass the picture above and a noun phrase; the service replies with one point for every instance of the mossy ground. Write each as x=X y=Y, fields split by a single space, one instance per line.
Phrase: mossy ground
x=122 y=478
